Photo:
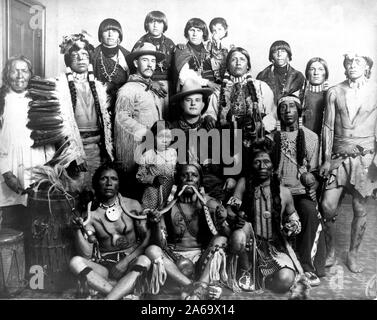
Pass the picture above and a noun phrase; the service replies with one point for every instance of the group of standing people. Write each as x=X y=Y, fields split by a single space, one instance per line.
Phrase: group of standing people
x=163 y=204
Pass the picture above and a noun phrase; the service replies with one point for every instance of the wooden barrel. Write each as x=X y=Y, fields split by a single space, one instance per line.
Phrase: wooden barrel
x=12 y=262
x=52 y=238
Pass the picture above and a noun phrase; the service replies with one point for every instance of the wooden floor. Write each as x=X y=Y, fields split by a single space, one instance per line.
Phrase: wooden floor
x=338 y=284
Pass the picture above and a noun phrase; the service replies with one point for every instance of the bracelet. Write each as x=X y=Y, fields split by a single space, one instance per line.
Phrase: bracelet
x=294 y=216
x=234 y=202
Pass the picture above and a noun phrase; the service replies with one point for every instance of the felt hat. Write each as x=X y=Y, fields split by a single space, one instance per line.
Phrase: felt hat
x=146 y=48
x=191 y=86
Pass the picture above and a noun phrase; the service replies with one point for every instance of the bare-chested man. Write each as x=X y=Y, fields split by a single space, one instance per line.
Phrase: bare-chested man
x=348 y=142
x=111 y=241
x=261 y=214
x=189 y=248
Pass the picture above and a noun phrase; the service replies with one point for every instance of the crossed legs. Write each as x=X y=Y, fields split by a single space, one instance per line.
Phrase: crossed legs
x=97 y=276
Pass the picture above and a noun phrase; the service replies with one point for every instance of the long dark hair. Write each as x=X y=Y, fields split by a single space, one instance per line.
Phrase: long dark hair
x=321 y=61
x=266 y=146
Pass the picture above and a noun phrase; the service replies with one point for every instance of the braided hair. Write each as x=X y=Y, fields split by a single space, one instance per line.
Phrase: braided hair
x=300 y=140
x=92 y=85
x=267 y=146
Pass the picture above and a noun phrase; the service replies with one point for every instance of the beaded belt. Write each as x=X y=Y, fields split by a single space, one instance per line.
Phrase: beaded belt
x=352 y=155
x=90 y=134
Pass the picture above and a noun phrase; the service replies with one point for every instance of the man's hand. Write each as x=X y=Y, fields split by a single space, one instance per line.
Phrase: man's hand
x=140 y=134
x=153 y=216
x=159 y=89
x=181 y=46
x=324 y=169
x=213 y=85
x=293 y=226
x=312 y=192
x=220 y=215
x=77 y=222
x=209 y=122
x=230 y=184
x=240 y=220
x=12 y=182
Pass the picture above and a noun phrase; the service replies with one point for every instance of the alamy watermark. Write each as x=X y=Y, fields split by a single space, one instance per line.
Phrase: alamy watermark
x=219 y=147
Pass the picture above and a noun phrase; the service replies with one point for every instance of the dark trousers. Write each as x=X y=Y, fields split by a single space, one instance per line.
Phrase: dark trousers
x=305 y=239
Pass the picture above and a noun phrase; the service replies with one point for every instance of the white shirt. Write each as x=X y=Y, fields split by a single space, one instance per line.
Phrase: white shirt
x=16 y=154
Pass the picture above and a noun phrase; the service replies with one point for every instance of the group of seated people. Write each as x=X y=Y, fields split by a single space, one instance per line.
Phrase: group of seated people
x=199 y=176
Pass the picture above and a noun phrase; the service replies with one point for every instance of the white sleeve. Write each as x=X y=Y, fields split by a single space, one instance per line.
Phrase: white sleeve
x=213 y=106
x=187 y=73
x=269 y=107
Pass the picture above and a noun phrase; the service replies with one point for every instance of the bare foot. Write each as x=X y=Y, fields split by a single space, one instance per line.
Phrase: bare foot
x=330 y=259
x=352 y=263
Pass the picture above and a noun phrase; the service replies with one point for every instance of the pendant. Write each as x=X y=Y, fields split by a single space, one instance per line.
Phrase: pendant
x=113 y=213
x=267 y=215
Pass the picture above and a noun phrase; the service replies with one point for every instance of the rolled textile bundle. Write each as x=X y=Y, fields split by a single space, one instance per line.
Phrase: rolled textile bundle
x=52 y=121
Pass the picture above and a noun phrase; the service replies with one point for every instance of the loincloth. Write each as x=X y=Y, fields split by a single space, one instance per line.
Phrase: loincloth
x=193 y=255
x=109 y=259
x=356 y=172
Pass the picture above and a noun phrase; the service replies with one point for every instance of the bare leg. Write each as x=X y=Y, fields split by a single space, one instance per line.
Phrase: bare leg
x=154 y=252
x=329 y=206
x=219 y=241
x=358 y=227
x=126 y=284
x=97 y=278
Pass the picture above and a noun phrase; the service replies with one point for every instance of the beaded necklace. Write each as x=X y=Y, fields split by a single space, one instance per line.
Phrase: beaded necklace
x=198 y=63
x=110 y=76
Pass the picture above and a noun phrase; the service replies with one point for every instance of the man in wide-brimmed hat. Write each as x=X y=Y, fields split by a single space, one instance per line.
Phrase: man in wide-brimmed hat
x=193 y=102
x=138 y=106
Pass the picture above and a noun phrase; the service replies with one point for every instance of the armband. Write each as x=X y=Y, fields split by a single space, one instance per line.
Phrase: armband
x=234 y=202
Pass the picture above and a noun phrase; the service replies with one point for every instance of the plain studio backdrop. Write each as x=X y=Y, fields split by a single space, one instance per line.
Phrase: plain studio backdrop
x=324 y=28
